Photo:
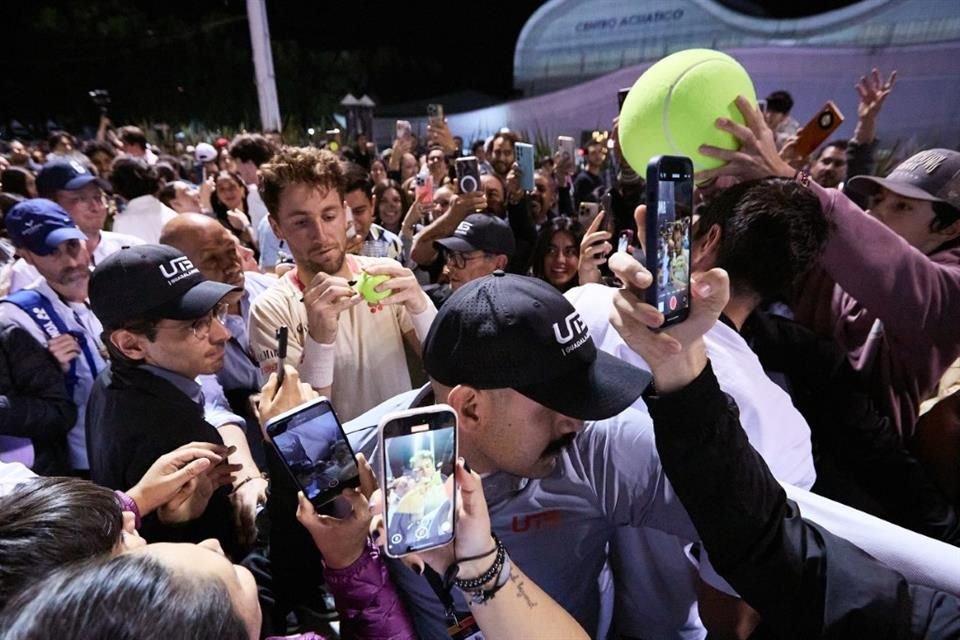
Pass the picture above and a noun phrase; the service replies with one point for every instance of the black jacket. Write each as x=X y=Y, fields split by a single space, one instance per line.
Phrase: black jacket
x=33 y=399
x=134 y=417
x=804 y=581
x=858 y=454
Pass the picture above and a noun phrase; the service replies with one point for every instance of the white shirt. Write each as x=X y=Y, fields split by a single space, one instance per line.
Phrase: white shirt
x=144 y=218
x=256 y=208
x=24 y=274
x=13 y=474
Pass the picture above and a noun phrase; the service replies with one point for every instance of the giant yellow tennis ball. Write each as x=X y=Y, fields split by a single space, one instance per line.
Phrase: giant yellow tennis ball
x=367 y=284
x=673 y=107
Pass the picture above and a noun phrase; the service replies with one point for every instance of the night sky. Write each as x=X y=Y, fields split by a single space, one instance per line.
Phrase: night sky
x=183 y=60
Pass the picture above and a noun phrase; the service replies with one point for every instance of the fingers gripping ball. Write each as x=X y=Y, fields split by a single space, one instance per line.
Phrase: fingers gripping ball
x=672 y=108
x=366 y=286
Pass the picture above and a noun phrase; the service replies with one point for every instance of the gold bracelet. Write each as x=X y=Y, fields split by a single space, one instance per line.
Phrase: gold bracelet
x=262 y=476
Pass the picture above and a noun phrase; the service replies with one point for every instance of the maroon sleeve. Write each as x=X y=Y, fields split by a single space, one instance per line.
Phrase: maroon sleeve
x=367 y=600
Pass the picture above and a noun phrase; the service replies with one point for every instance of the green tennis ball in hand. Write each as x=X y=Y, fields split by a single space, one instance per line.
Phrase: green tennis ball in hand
x=673 y=107
x=367 y=284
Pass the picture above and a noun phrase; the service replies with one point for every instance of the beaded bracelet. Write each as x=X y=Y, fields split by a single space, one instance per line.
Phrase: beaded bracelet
x=488 y=575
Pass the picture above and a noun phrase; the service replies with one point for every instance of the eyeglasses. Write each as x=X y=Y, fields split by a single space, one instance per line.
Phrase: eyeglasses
x=459 y=260
x=201 y=326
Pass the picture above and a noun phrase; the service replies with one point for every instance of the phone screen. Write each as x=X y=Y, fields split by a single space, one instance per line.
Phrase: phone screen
x=419 y=499
x=674 y=215
x=316 y=451
x=524 y=155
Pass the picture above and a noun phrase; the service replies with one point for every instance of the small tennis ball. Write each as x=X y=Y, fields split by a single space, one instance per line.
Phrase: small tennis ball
x=366 y=287
x=673 y=107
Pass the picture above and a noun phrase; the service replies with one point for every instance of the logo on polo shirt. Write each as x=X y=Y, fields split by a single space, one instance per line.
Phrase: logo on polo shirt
x=177 y=269
x=463 y=228
x=572 y=330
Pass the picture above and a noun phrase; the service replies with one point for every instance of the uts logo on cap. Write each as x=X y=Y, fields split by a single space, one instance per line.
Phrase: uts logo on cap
x=79 y=168
x=573 y=330
x=177 y=269
x=463 y=228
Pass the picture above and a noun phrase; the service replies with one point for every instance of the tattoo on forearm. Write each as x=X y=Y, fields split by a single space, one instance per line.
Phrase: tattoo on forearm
x=518 y=582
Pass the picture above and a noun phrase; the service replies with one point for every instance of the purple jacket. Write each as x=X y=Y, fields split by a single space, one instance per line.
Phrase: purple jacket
x=367 y=602
x=892 y=308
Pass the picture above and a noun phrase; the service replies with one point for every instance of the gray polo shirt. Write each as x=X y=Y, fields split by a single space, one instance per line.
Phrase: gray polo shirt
x=557 y=528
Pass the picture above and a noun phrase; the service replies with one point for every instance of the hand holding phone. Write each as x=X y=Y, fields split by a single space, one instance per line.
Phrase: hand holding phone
x=418 y=454
x=815 y=132
x=315 y=451
x=669 y=223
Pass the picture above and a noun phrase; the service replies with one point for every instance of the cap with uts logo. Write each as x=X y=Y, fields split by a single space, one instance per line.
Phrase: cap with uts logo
x=151 y=282
x=514 y=332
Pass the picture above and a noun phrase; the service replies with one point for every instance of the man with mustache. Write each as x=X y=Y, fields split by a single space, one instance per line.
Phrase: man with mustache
x=53 y=309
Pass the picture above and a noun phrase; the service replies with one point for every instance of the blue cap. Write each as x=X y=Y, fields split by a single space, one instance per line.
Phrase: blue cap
x=40 y=225
x=63 y=175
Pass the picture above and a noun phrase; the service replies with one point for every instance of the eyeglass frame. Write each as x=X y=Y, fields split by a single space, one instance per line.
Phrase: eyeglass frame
x=458 y=260
x=201 y=326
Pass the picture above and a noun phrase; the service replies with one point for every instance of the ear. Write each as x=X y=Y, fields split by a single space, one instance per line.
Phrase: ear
x=706 y=251
x=465 y=400
x=950 y=231
x=275 y=226
x=501 y=262
x=130 y=344
x=27 y=255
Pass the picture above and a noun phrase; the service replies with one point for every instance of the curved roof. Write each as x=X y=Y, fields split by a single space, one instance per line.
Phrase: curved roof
x=568 y=41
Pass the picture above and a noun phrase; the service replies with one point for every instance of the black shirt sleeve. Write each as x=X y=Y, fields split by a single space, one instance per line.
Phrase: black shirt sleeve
x=804 y=581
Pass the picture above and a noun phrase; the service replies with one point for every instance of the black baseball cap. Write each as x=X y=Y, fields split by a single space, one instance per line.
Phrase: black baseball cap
x=40 y=225
x=65 y=176
x=151 y=281
x=480 y=231
x=514 y=332
x=932 y=175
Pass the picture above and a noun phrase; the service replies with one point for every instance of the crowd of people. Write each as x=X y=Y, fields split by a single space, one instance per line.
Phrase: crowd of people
x=782 y=463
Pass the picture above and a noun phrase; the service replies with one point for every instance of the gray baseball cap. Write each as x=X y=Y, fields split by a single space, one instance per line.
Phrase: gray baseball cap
x=932 y=175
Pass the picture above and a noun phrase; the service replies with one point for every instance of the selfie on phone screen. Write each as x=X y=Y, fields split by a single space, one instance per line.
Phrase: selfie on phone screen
x=419 y=489
x=318 y=455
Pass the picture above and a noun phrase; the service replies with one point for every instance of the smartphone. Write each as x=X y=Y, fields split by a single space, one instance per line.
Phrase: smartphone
x=566 y=148
x=621 y=96
x=668 y=230
x=313 y=447
x=587 y=212
x=282 y=335
x=404 y=129
x=418 y=454
x=435 y=114
x=334 y=142
x=424 y=188
x=525 y=160
x=816 y=132
x=468 y=174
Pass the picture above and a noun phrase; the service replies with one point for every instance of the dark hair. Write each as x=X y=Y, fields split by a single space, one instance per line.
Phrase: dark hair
x=146 y=327
x=356 y=178
x=943 y=216
x=57 y=137
x=168 y=193
x=133 y=177
x=133 y=135
x=128 y=597
x=94 y=147
x=47 y=522
x=381 y=188
x=299 y=165
x=252 y=147
x=839 y=143
x=780 y=101
x=477 y=144
x=14 y=180
x=219 y=208
x=542 y=247
x=9 y=201
x=509 y=136
x=773 y=230
x=165 y=171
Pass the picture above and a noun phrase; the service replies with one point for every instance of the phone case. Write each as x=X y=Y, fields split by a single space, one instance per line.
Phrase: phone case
x=382 y=469
x=658 y=262
x=468 y=174
x=816 y=132
x=524 y=154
